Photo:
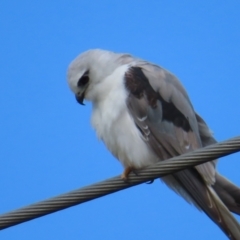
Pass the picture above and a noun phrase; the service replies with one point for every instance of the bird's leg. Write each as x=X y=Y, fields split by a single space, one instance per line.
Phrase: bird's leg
x=126 y=172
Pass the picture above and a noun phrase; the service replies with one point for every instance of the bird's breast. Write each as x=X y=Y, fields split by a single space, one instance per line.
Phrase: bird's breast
x=116 y=128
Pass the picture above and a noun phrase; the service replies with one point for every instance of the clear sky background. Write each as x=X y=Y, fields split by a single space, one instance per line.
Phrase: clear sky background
x=47 y=146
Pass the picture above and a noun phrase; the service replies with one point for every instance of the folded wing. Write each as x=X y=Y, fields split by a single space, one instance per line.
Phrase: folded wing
x=168 y=124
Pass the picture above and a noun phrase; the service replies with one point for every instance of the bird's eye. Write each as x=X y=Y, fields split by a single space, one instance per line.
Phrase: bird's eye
x=83 y=80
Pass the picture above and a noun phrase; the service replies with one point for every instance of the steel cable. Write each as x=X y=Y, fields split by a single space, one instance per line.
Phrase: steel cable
x=116 y=183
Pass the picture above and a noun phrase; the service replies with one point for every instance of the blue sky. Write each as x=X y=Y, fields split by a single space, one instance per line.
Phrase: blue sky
x=47 y=144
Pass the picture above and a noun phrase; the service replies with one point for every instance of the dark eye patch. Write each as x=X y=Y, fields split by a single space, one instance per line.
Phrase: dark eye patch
x=83 y=80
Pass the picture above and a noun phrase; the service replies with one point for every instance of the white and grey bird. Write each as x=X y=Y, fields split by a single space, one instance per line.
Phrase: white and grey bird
x=144 y=115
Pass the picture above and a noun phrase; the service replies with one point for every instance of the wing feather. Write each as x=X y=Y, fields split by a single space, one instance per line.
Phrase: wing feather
x=163 y=113
x=169 y=110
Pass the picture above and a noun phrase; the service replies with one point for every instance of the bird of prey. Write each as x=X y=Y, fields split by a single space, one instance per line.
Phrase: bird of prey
x=143 y=115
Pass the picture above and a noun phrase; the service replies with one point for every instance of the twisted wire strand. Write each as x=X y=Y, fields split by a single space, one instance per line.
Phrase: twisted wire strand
x=116 y=183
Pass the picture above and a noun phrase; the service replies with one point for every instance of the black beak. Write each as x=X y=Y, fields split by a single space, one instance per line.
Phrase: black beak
x=80 y=98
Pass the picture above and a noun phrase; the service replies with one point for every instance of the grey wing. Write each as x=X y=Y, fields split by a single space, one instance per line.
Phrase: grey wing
x=172 y=121
x=165 y=117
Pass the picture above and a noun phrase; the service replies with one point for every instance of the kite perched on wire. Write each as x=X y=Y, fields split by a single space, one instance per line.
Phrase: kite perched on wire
x=144 y=115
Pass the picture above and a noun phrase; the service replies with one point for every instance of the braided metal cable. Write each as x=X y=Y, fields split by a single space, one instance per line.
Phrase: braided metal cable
x=116 y=183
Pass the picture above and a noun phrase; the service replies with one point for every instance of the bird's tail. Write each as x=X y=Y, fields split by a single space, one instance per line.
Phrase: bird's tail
x=215 y=203
x=228 y=193
x=224 y=218
x=224 y=194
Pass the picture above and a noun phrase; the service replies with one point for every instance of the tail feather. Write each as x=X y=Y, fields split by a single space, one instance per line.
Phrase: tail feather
x=205 y=197
x=228 y=193
x=224 y=194
x=227 y=221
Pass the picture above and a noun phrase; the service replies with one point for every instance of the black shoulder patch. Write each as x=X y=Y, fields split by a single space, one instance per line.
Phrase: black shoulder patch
x=138 y=85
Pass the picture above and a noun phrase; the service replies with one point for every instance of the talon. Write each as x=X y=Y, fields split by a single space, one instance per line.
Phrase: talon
x=135 y=172
x=150 y=182
x=126 y=172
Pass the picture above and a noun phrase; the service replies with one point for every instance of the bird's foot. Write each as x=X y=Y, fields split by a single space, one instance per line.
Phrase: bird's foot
x=126 y=172
x=150 y=182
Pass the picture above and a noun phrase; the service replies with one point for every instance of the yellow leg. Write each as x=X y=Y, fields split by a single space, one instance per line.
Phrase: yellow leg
x=126 y=172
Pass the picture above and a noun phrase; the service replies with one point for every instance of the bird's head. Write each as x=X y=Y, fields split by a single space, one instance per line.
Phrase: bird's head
x=88 y=70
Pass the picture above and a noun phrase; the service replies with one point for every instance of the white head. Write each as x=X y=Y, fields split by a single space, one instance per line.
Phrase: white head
x=88 y=70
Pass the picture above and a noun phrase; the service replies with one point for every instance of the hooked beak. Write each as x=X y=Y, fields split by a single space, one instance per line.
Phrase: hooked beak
x=80 y=97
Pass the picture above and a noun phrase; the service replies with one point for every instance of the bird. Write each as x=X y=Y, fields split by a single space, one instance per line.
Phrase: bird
x=144 y=115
